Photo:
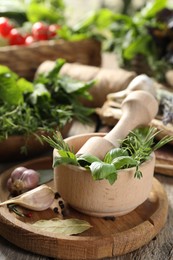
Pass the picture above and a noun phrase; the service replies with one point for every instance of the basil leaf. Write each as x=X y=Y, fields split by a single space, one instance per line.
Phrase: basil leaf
x=101 y=170
x=87 y=159
x=112 y=178
x=113 y=153
x=124 y=162
x=39 y=91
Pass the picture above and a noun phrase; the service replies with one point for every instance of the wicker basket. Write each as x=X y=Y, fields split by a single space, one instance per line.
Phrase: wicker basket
x=24 y=60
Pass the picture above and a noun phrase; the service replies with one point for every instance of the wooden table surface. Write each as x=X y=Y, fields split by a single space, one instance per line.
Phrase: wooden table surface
x=161 y=247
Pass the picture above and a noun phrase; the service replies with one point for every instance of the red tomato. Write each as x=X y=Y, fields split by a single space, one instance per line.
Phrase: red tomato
x=52 y=30
x=40 y=31
x=15 y=38
x=29 y=39
x=5 y=26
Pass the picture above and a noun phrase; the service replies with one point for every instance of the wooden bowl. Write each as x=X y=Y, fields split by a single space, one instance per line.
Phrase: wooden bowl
x=99 y=198
x=11 y=149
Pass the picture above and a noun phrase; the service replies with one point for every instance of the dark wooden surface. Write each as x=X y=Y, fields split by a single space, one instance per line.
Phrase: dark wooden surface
x=160 y=247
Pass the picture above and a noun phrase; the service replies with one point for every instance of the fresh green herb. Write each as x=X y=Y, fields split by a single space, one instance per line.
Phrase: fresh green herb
x=14 y=208
x=140 y=143
x=45 y=104
x=50 y=11
x=141 y=41
x=135 y=149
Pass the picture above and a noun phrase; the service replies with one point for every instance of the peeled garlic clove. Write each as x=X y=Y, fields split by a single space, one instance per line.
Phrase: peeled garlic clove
x=37 y=199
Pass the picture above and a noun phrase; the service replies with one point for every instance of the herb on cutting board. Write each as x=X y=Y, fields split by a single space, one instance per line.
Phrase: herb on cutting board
x=47 y=103
x=135 y=149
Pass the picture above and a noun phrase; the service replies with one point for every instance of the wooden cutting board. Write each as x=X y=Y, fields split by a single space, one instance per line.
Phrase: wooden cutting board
x=108 y=237
x=164 y=160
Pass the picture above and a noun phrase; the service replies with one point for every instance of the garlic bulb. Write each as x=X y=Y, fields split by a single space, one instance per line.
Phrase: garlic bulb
x=22 y=180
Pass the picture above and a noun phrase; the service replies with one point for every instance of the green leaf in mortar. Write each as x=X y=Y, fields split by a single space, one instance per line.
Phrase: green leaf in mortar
x=63 y=226
x=45 y=176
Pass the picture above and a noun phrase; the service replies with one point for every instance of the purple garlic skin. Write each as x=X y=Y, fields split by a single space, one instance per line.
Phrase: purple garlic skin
x=22 y=180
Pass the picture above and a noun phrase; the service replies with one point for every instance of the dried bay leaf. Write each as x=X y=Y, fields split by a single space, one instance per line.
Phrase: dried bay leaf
x=63 y=226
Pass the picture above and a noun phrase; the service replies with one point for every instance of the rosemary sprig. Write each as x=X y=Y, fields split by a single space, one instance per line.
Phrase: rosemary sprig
x=57 y=142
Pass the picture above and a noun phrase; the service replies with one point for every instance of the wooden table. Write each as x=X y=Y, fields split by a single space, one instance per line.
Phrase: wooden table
x=161 y=247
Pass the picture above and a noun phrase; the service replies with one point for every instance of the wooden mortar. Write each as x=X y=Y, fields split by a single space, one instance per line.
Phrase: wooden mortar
x=99 y=198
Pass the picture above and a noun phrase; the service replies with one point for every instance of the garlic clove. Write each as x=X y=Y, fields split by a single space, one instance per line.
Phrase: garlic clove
x=37 y=199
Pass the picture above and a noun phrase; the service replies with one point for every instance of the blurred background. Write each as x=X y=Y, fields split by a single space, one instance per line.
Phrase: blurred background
x=77 y=9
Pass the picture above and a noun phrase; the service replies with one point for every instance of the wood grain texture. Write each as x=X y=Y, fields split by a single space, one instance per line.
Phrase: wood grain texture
x=164 y=160
x=107 y=238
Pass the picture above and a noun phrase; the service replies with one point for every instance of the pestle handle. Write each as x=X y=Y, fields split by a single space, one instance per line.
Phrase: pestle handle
x=138 y=108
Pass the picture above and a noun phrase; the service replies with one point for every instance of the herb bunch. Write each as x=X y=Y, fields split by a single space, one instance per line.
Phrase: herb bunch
x=45 y=104
x=135 y=149
x=141 y=40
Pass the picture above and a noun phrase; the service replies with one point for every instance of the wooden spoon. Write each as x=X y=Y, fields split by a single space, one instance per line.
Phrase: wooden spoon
x=138 y=108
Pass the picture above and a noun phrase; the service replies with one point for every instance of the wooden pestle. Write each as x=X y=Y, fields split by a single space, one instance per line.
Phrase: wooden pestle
x=141 y=82
x=138 y=108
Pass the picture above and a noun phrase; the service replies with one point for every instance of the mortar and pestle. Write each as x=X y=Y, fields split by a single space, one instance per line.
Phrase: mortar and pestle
x=99 y=198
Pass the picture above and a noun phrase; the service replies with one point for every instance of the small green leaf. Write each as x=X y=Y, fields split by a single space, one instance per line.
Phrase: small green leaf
x=140 y=45
x=113 y=153
x=101 y=170
x=153 y=7
x=124 y=161
x=112 y=178
x=67 y=154
x=138 y=174
x=64 y=160
x=25 y=86
x=87 y=159
x=63 y=226
x=39 y=91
